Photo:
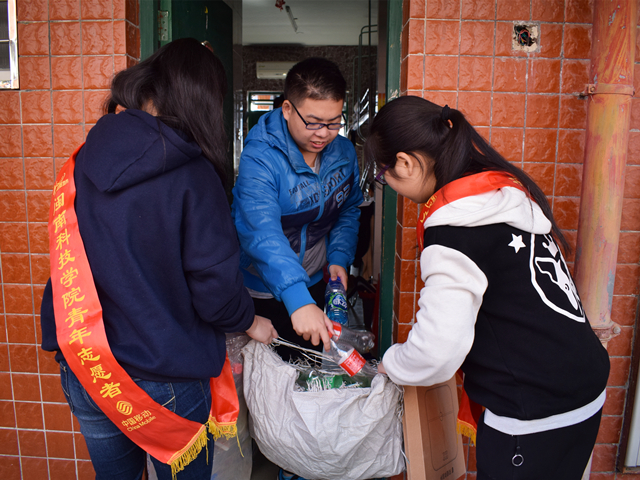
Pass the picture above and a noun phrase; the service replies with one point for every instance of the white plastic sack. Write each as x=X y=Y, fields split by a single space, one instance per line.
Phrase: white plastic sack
x=341 y=434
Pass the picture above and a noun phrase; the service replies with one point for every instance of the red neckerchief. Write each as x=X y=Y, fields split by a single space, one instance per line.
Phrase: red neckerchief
x=468 y=186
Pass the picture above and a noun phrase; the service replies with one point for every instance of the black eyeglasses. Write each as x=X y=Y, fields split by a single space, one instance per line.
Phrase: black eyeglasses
x=380 y=175
x=318 y=126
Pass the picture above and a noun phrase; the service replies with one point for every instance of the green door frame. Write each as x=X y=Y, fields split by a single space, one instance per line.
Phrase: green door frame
x=390 y=198
x=148 y=27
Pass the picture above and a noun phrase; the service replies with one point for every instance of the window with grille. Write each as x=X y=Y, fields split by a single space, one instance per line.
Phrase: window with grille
x=8 y=45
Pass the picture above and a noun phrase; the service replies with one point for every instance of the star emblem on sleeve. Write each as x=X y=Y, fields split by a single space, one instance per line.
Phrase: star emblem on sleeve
x=517 y=242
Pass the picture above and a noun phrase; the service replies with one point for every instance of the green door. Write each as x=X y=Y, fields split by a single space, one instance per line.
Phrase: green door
x=394 y=44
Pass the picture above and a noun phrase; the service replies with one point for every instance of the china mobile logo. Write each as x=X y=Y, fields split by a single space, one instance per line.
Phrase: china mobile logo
x=124 y=408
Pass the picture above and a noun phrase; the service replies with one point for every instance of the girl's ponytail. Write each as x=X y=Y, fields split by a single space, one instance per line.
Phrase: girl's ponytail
x=454 y=146
x=474 y=154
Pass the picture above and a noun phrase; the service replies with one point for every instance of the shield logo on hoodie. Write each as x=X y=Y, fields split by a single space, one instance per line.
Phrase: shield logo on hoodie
x=552 y=280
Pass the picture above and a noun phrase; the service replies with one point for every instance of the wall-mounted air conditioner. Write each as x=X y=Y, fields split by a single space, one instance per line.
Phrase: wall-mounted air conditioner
x=273 y=70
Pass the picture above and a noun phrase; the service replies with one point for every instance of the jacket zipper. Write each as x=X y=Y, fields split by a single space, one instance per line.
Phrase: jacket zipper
x=303 y=232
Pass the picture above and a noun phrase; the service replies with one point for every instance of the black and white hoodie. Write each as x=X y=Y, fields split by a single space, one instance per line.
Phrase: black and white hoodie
x=499 y=302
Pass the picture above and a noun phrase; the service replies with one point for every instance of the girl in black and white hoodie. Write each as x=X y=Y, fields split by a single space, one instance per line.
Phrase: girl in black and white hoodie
x=498 y=302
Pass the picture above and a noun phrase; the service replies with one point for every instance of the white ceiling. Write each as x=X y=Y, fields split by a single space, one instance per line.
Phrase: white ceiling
x=320 y=22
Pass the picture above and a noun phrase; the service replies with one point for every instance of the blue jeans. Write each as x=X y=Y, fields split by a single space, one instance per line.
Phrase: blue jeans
x=113 y=455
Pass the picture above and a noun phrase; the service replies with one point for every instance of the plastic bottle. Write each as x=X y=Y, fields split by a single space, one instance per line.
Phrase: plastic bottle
x=347 y=357
x=350 y=360
x=362 y=340
x=335 y=302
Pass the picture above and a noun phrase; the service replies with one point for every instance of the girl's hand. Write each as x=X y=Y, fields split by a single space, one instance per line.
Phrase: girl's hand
x=337 y=271
x=381 y=368
x=262 y=330
x=312 y=324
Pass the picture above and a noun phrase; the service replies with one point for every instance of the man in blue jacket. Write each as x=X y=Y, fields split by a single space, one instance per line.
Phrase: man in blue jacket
x=296 y=204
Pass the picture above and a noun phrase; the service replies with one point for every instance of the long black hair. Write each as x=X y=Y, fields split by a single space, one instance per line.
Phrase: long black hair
x=186 y=83
x=414 y=125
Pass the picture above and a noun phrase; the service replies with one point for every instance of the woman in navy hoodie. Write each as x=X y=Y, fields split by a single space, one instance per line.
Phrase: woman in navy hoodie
x=162 y=249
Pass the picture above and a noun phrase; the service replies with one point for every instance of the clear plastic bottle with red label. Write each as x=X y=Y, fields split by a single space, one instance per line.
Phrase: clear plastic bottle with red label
x=362 y=340
x=349 y=359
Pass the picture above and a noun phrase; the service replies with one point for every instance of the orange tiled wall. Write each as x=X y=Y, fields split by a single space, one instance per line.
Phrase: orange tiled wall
x=459 y=53
x=69 y=50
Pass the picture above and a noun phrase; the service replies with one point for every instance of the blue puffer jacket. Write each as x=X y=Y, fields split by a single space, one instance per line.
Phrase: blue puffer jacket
x=281 y=209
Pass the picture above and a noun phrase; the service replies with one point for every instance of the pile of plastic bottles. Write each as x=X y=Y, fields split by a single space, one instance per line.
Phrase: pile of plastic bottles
x=343 y=366
x=315 y=380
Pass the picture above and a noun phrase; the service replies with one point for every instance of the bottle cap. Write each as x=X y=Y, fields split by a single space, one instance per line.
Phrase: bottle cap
x=236 y=368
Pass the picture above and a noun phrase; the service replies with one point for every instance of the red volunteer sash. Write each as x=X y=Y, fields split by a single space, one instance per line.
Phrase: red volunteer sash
x=168 y=437
x=469 y=412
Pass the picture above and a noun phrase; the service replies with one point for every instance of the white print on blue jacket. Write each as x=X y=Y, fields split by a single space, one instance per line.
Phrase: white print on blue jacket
x=282 y=210
x=307 y=196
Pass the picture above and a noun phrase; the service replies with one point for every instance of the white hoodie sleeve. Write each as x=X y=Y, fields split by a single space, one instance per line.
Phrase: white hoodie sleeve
x=443 y=332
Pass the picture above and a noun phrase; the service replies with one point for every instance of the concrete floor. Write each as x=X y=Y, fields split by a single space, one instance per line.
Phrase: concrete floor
x=263 y=469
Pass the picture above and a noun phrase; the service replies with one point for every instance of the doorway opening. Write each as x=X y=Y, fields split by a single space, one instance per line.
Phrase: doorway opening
x=256 y=40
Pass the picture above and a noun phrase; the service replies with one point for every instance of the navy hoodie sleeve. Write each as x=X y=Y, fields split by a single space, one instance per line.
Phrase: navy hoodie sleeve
x=48 y=321
x=211 y=258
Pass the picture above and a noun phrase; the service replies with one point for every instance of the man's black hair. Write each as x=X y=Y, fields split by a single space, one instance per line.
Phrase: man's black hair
x=316 y=78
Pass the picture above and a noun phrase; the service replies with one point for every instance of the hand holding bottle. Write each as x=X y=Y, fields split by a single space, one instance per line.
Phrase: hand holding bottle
x=312 y=324
x=338 y=272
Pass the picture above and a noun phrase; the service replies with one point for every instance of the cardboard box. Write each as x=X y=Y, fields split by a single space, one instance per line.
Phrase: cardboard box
x=432 y=445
